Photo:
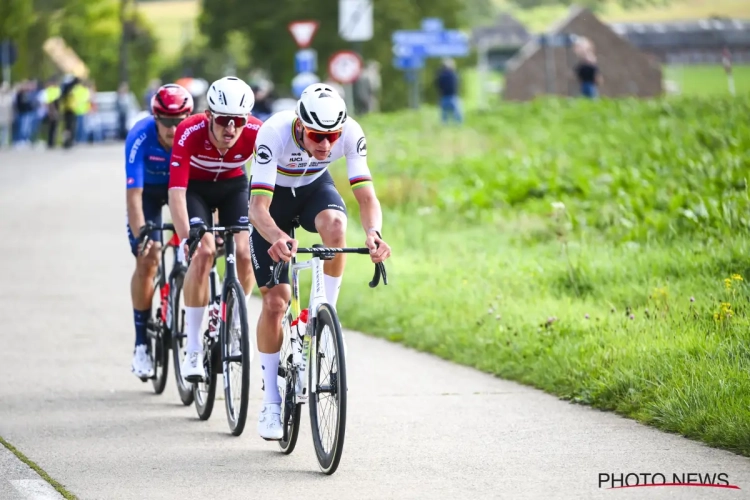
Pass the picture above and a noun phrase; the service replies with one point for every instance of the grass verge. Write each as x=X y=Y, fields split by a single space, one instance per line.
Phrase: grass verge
x=23 y=458
x=583 y=248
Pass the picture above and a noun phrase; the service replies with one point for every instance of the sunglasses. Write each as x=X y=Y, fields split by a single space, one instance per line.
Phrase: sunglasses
x=317 y=136
x=169 y=122
x=225 y=120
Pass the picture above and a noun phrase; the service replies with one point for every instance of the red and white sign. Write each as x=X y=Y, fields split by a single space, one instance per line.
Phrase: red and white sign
x=345 y=66
x=303 y=32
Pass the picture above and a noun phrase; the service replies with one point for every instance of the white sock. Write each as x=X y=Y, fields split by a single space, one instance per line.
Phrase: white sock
x=193 y=322
x=333 y=285
x=270 y=365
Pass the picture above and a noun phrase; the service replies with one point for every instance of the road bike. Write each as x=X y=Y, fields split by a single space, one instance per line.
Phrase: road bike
x=159 y=325
x=230 y=347
x=308 y=382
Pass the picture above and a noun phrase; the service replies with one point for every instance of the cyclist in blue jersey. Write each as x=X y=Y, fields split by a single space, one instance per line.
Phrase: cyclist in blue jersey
x=148 y=149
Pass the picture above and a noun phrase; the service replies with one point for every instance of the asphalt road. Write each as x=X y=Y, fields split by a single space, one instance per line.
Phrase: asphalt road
x=418 y=427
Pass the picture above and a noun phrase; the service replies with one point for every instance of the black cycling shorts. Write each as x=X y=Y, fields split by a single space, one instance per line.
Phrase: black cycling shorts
x=154 y=197
x=309 y=201
x=230 y=197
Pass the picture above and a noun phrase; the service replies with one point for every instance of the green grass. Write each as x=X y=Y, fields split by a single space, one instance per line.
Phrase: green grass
x=579 y=247
x=23 y=458
x=708 y=79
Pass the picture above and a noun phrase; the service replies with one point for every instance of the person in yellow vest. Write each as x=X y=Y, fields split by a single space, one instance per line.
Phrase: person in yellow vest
x=81 y=106
x=51 y=99
x=68 y=109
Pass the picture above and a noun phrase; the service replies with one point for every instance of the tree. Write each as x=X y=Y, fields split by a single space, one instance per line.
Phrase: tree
x=89 y=27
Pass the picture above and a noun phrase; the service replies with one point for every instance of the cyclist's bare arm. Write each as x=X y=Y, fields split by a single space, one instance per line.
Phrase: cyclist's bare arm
x=370 y=213
x=260 y=218
x=136 y=219
x=178 y=210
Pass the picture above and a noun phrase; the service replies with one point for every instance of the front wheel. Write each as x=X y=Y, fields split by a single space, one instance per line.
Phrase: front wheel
x=236 y=357
x=327 y=397
x=291 y=411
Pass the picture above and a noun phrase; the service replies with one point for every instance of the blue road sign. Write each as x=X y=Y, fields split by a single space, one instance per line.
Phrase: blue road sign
x=305 y=61
x=432 y=24
x=446 y=43
x=301 y=81
x=8 y=53
x=408 y=62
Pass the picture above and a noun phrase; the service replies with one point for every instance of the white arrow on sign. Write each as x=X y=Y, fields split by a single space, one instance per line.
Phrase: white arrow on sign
x=345 y=66
x=303 y=32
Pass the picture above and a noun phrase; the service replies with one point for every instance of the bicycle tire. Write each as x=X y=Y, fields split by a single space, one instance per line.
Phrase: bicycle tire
x=160 y=350
x=291 y=412
x=184 y=388
x=328 y=461
x=236 y=422
x=205 y=406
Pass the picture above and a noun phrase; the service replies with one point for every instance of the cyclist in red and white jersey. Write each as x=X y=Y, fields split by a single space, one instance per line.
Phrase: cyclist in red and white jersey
x=207 y=171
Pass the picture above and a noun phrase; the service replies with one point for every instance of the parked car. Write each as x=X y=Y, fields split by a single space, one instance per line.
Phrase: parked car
x=106 y=104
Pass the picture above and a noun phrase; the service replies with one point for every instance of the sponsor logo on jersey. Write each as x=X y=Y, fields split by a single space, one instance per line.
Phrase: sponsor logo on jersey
x=362 y=147
x=131 y=181
x=136 y=145
x=175 y=163
x=189 y=131
x=263 y=154
x=156 y=158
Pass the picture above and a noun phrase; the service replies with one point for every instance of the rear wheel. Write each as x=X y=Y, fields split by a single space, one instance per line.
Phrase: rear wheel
x=236 y=357
x=179 y=340
x=327 y=399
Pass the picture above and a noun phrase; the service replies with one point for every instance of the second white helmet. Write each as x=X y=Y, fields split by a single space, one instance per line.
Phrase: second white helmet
x=321 y=108
x=230 y=96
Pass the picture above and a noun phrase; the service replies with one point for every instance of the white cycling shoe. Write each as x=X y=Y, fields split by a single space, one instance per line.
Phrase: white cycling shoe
x=269 y=422
x=192 y=367
x=142 y=365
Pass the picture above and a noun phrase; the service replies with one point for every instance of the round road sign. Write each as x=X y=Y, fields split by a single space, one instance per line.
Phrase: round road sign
x=345 y=66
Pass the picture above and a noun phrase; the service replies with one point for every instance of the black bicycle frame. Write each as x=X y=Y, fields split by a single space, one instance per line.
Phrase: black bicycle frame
x=230 y=273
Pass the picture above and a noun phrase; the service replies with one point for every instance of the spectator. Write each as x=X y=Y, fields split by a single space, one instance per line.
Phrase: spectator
x=25 y=107
x=587 y=70
x=52 y=102
x=67 y=109
x=6 y=114
x=446 y=82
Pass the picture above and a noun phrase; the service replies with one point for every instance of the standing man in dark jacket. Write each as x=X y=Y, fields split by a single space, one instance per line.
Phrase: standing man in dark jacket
x=446 y=82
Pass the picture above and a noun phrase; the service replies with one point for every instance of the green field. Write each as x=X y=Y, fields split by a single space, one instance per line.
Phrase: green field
x=596 y=250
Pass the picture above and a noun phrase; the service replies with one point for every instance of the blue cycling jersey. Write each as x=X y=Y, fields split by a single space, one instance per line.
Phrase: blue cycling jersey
x=146 y=160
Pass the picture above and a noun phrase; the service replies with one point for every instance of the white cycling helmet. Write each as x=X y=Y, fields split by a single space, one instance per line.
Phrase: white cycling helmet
x=230 y=96
x=321 y=108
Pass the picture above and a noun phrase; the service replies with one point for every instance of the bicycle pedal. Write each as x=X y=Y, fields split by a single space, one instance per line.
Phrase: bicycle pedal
x=267 y=439
x=194 y=379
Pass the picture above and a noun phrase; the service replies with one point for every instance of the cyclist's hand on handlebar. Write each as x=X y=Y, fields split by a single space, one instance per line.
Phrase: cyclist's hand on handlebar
x=379 y=249
x=142 y=233
x=280 y=251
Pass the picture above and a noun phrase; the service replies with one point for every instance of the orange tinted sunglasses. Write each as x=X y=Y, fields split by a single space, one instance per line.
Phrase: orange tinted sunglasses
x=317 y=136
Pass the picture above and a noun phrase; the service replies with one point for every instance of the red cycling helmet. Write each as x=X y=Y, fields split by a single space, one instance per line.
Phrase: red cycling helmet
x=171 y=99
